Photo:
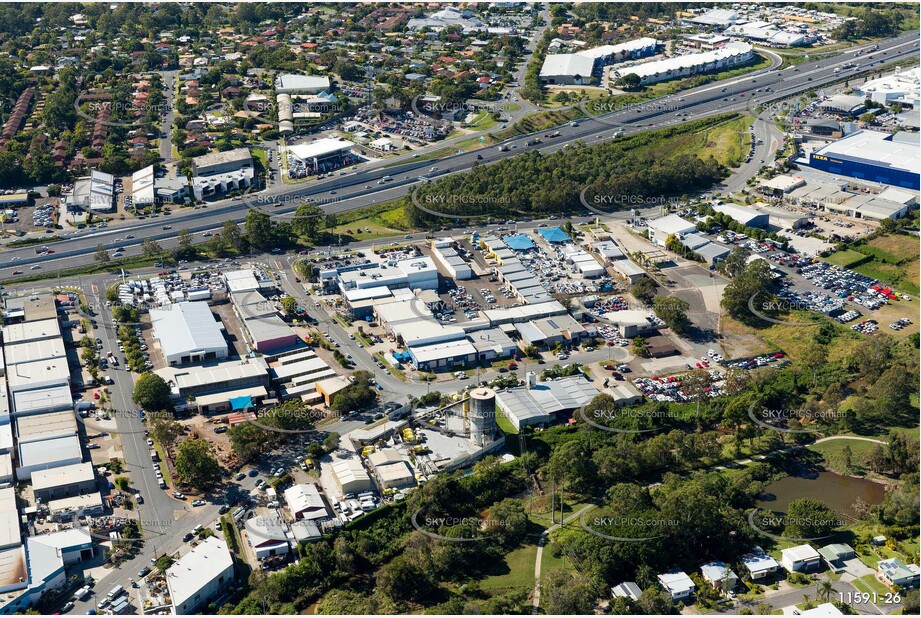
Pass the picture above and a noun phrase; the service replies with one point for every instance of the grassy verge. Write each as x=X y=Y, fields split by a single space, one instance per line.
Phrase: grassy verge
x=428 y=156
x=833 y=453
x=230 y=535
x=518 y=567
x=164 y=468
x=506 y=426
x=34 y=240
x=482 y=122
x=399 y=375
x=114 y=267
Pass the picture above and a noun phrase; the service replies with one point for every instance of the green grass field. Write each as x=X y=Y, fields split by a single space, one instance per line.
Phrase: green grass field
x=726 y=142
x=833 y=452
x=516 y=570
x=845 y=258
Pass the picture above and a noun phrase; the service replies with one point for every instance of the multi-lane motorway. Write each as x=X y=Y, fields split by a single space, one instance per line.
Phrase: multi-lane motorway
x=360 y=188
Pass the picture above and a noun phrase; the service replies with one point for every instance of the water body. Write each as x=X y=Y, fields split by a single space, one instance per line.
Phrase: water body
x=838 y=492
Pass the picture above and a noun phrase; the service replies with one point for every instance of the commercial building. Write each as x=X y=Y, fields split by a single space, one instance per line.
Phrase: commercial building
x=899 y=88
x=33 y=330
x=350 y=476
x=781 y=185
x=886 y=158
x=267 y=331
x=64 y=482
x=300 y=376
x=670 y=225
x=847 y=104
x=677 y=584
x=47 y=454
x=550 y=331
x=540 y=403
x=609 y=54
x=413 y=273
x=148 y=189
x=728 y=56
x=627 y=270
x=33 y=352
x=242 y=281
x=802 y=558
x=446 y=256
x=95 y=192
x=10 y=531
x=392 y=471
x=768 y=34
x=268 y=536
x=623 y=394
x=320 y=155
x=744 y=215
x=215 y=388
x=188 y=333
x=202 y=574
x=46 y=426
x=222 y=162
x=290 y=83
x=567 y=70
x=712 y=252
x=582 y=67
x=715 y=18
x=445 y=18
x=330 y=387
x=217 y=173
x=305 y=502
x=631 y=322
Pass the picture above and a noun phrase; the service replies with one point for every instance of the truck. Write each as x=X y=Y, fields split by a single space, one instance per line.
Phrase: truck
x=115 y=592
x=82 y=593
x=503 y=148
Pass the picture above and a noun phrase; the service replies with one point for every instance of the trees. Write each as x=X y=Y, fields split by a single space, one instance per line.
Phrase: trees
x=809 y=518
x=258 y=226
x=150 y=248
x=196 y=465
x=152 y=393
x=186 y=248
x=734 y=262
x=403 y=581
x=356 y=396
x=564 y=594
x=232 y=235
x=752 y=284
x=247 y=440
x=673 y=311
x=644 y=290
x=102 y=254
x=306 y=221
x=164 y=429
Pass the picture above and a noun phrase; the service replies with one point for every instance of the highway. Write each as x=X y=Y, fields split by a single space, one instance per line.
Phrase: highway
x=360 y=188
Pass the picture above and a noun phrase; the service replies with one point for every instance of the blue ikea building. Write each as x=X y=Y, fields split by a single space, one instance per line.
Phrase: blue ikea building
x=874 y=156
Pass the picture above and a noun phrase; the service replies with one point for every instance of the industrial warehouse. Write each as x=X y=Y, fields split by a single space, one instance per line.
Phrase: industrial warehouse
x=892 y=159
